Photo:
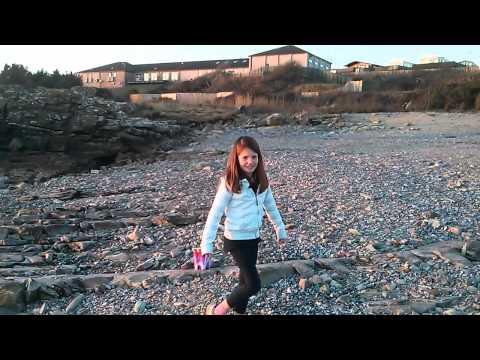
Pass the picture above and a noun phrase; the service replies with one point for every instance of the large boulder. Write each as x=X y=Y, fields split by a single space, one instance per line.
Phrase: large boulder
x=12 y=296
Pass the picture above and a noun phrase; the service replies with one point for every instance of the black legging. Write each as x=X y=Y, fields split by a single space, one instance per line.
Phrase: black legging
x=244 y=252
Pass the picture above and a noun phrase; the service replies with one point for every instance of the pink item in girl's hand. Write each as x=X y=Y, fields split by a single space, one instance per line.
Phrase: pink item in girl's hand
x=200 y=262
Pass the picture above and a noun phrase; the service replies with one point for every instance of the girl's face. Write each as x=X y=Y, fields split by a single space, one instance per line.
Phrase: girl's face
x=248 y=161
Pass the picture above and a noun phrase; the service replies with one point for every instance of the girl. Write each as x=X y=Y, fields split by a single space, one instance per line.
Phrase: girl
x=243 y=195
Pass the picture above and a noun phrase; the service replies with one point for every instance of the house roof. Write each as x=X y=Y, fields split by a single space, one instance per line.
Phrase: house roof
x=358 y=62
x=289 y=49
x=118 y=66
x=175 y=66
x=447 y=64
x=194 y=65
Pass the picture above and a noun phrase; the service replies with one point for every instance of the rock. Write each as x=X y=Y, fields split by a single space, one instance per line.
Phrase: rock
x=95 y=280
x=453 y=312
x=353 y=232
x=316 y=279
x=335 y=284
x=107 y=225
x=471 y=250
x=270 y=273
x=422 y=306
x=274 y=120
x=12 y=296
x=176 y=252
x=159 y=220
x=66 y=269
x=49 y=257
x=180 y=220
x=3 y=182
x=74 y=304
x=336 y=264
x=35 y=260
x=14 y=258
x=187 y=265
x=135 y=234
x=58 y=312
x=303 y=283
x=4 y=232
x=15 y=145
x=453 y=230
x=80 y=246
x=181 y=277
x=304 y=269
x=32 y=290
x=147 y=240
x=133 y=280
x=118 y=258
x=324 y=289
x=149 y=264
x=42 y=309
x=201 y=165
x=434 y=223
x=139 y=307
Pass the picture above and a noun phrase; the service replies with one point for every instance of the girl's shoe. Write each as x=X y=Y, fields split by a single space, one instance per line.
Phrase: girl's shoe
x=210 y=309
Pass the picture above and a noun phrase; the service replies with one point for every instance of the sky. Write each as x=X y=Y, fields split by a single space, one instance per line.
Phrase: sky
x=74 y=58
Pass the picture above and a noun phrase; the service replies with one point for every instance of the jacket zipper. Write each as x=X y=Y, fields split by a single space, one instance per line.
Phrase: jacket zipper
x=258 y=225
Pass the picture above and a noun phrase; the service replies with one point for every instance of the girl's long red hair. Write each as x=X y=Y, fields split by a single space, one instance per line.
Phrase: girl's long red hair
x=233 y=170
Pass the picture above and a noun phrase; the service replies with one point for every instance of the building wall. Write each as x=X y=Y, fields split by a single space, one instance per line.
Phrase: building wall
x=317 y=63
x=258 y=62
x=104 y=79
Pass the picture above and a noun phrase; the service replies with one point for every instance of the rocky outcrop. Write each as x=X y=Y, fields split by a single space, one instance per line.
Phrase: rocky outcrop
x=67 y=130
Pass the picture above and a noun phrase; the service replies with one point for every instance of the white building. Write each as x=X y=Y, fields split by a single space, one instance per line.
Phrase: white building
x=400 y=63
x=429 y=59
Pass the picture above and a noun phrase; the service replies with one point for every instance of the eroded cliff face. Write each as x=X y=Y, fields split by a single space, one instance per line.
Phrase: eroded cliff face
x=44 y=132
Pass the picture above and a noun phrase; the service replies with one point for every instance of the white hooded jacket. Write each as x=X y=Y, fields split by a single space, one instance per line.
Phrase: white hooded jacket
x=244 y=215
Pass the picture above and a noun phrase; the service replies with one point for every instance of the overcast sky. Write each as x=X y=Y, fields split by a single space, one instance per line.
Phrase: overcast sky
x=74 y=58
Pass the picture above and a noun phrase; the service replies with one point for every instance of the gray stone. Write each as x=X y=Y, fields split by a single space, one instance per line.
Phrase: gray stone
x=316 y=279
x=423 y=306
x=139 y=307
x=133 y=280
x=453 y=312
x=15 y=258
x=12 y=296
x=176 y=252
x=180 y=220
x=74 y=304
x=304 y=269
x=471 y=249
x=79 y=246
x=149 y=264
x=3 y=182
x=335 y=284
x=35 y=260
x=274 y=120
x=118 y=258
x=270 y=273
x=15 y=145
x=32 y=290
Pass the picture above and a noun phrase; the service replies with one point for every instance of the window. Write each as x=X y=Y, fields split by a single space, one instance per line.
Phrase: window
x=146 y=77
x=138 y=76
x=153 y=76
x=166 y=76
x=174 y=76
